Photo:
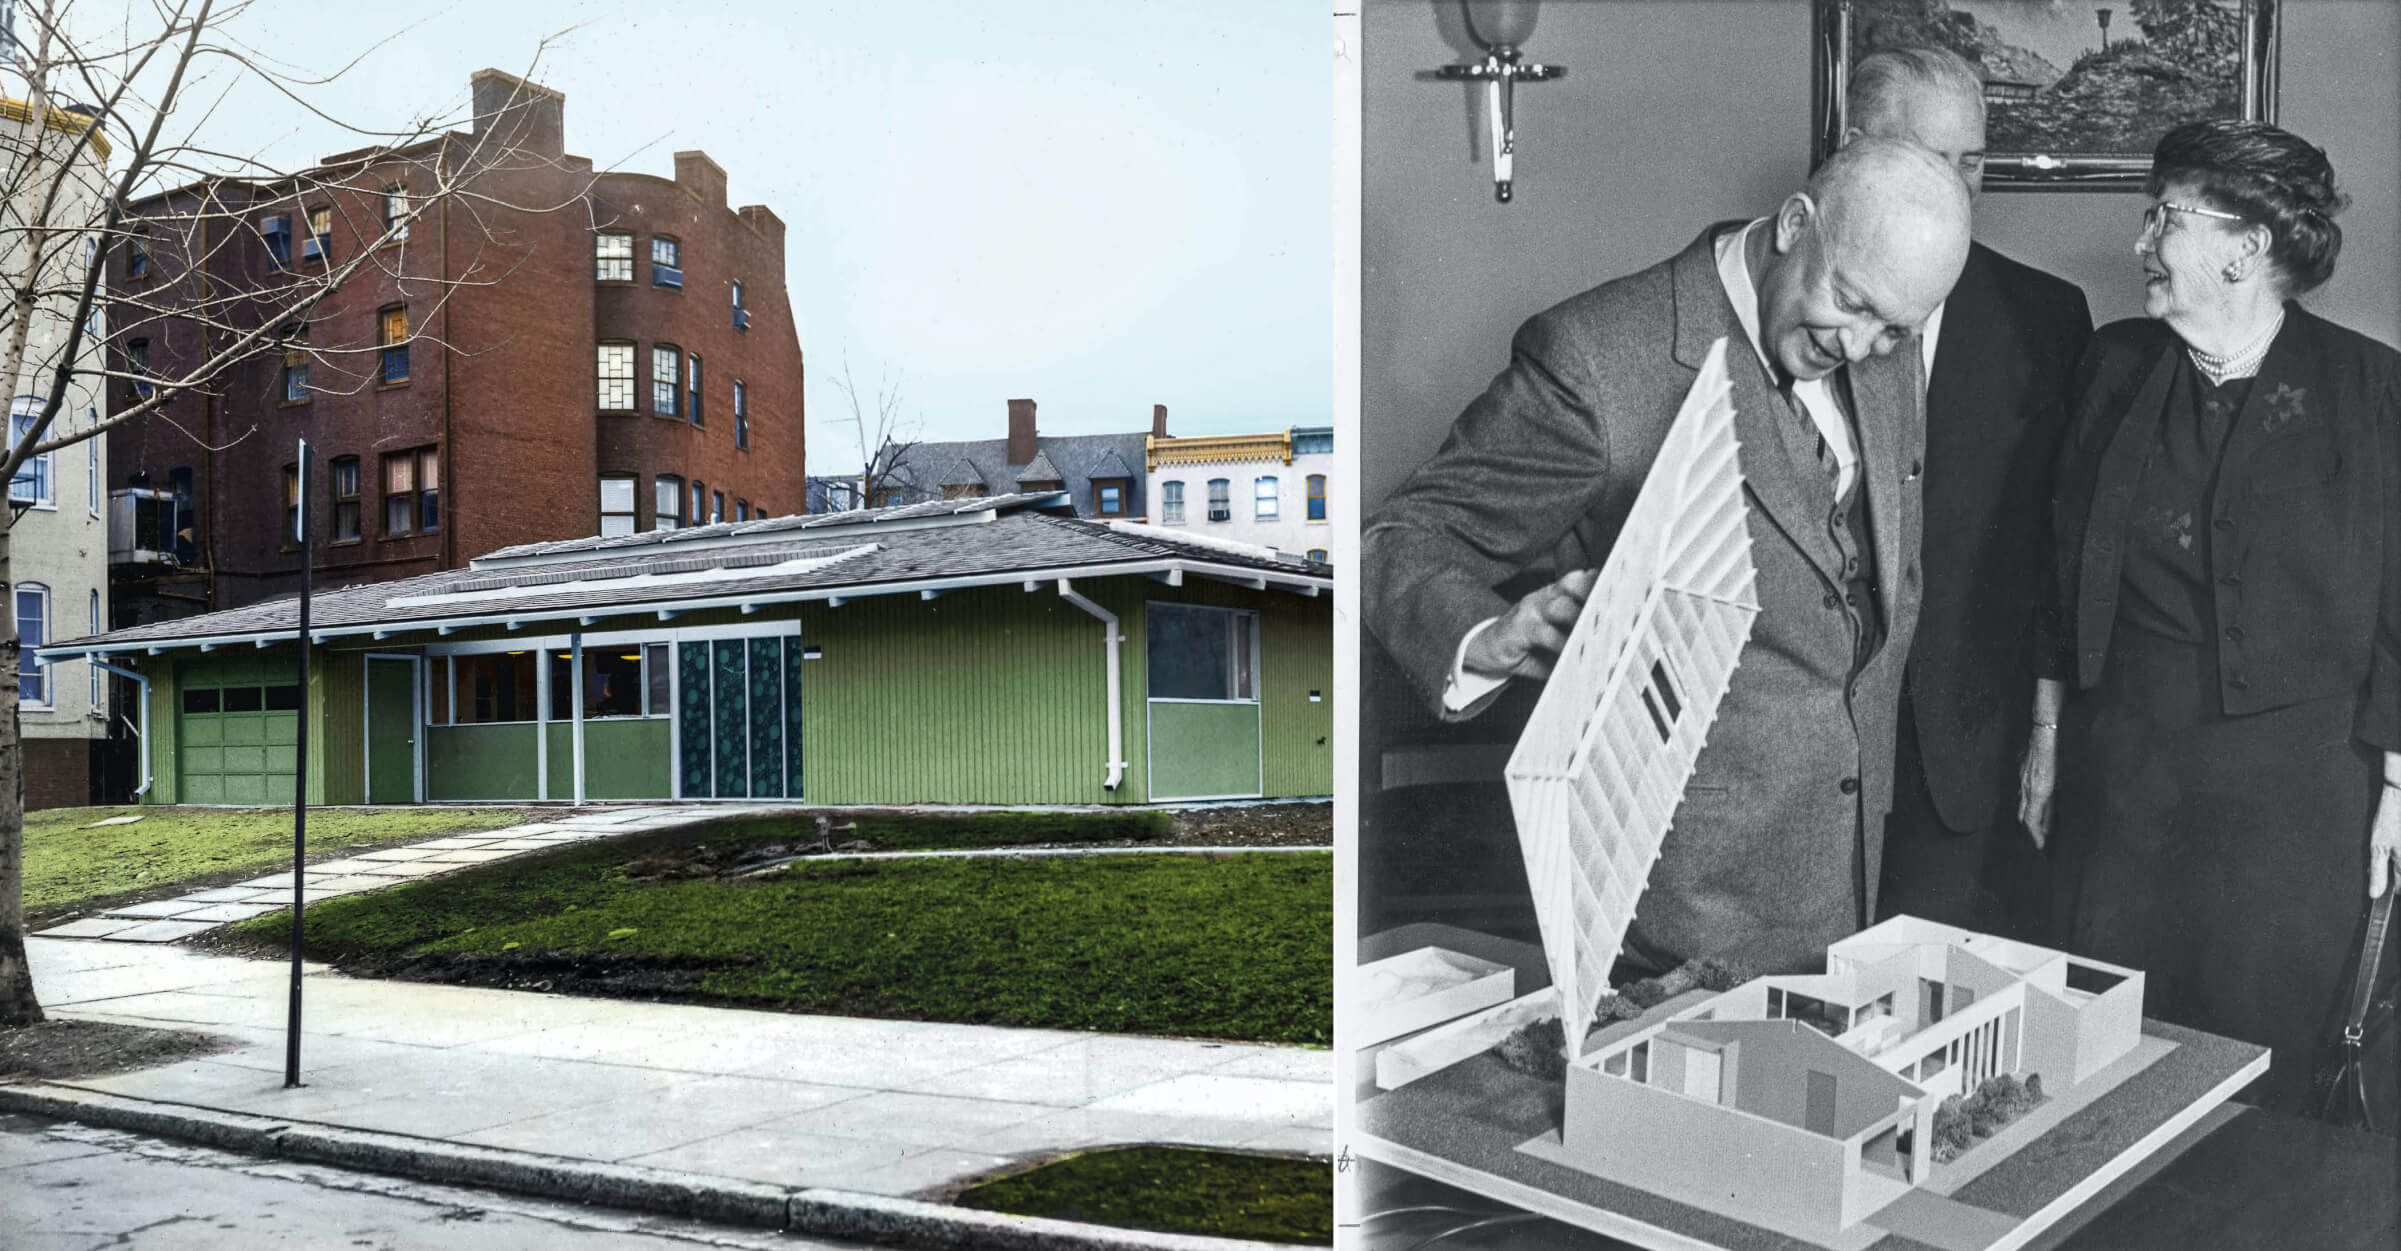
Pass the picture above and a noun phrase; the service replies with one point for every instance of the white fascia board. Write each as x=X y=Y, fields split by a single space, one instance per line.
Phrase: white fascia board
x=722 y=542
x=1298 y=583
x=639 y=581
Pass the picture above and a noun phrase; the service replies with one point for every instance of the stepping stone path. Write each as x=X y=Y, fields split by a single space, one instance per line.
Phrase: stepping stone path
x=167 y=920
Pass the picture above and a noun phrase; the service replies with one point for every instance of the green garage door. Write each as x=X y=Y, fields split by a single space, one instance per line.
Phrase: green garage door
x=237 y=732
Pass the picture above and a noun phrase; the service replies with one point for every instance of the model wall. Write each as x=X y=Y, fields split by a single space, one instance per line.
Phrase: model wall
x=1664 y=1142
x=1678 y=113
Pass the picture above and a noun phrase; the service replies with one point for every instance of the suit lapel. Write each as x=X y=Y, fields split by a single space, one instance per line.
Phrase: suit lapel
x=2280 y=397
x=1887 y=415
x=1762 y=423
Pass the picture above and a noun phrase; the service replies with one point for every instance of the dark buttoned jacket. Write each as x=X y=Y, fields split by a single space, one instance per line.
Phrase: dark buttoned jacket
x=2303 y=524
x=1996 y=409
x=1764 y=861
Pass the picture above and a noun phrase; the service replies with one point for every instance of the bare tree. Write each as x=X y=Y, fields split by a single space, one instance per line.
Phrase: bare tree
x=104 y=161
x=885 y=438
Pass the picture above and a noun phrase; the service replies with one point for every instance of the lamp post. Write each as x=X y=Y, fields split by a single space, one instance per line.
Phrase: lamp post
x=1501 y=28
x=2103 y=14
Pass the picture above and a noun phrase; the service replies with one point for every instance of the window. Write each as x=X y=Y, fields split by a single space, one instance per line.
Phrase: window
x=700 y=503
x=615 y=377
x=97 y=693
x=885 y=497
x=137 y=253
x=1171 y=502
x=392 y=332
x=741 y=415
x=741 y=311
x=91 y=467
x=1221 y=499
x=692 y=382
x=617 y=515
x=1200 y=653
x=319 y=244
x=716 y=507
x=612 y=256
x=666 y=379
x=666 y=262
x=667 y=498
x=1264 y=498
x=342 y=481
x=32 y=485
x=137 y=363
x=495 y=686
x=33 y=630
x=1108 y=497
x=277 y=231
x=291 y=506
x=395 y=212
x=1318 y=554
x=1317 y=497
x=614 y=684
x=412 y=492
x=741 y=510
x=295 y=365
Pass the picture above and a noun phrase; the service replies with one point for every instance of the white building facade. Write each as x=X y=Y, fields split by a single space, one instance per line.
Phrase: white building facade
x=58 y=545
x=1266 y=489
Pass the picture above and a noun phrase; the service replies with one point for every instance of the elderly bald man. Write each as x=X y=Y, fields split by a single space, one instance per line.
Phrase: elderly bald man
x=1769 y=859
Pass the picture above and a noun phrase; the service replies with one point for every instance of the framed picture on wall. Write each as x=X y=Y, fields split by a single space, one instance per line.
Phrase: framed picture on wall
x=2077 y=92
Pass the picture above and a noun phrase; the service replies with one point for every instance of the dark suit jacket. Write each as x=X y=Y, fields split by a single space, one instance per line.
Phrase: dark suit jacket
x=1763 y=861
x=2304 y=523
x=1996 y=409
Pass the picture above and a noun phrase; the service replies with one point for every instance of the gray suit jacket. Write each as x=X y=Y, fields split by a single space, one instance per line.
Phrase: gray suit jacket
x=1769 y=859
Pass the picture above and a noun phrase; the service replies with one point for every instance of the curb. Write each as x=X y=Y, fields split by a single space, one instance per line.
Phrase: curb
x=731 y=1201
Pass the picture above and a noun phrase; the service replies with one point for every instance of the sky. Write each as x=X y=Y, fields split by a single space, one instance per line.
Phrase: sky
x=1098 y=204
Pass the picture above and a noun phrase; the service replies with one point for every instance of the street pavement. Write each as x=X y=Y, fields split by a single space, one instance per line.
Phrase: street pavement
x=67 y=1187
x=894 y=1108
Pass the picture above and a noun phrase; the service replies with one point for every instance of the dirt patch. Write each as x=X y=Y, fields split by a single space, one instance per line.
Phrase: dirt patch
x=575 y=973
x=58 y=1049
x=1255 y=825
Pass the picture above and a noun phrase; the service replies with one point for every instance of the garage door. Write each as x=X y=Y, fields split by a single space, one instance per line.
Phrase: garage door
x=236 y=736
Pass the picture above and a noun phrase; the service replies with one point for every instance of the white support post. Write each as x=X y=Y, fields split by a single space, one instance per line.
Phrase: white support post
x=575 y=666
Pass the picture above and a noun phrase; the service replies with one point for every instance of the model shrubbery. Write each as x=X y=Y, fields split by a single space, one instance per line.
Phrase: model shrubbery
x=1538 y=1049
x=1959 y=1122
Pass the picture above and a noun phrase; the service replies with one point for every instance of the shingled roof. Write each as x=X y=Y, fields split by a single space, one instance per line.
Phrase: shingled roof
x=934 y=546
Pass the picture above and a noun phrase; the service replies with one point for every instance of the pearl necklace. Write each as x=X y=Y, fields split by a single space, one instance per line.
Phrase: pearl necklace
x=2241 y=364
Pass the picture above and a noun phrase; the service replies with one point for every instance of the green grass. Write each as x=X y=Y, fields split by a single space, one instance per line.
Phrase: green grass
x=68 y=867
x=946 y=831
x=1179 y=1190
x=1235 y=947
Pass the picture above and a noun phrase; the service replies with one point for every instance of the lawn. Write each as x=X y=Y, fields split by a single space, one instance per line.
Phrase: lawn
x=1178 y=1190
x=68 y=867
x=947 y=831
x=1236 y=947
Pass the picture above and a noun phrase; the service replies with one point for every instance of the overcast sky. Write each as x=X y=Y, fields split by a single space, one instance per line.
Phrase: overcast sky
x=1100 y=204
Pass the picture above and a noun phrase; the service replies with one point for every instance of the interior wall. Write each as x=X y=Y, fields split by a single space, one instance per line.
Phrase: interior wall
x=1677 y=113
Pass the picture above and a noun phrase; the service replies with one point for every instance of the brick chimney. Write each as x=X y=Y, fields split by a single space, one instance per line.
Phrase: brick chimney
x=1158 y=421
x=696 y=173
x=1021 y=432
x=513 y=113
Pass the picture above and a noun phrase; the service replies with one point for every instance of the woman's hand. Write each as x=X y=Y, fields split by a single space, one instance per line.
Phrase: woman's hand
x=2038 y=773
x=2384 y=841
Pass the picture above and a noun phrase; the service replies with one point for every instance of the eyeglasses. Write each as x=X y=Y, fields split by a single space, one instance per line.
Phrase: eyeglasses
x=2155 y=218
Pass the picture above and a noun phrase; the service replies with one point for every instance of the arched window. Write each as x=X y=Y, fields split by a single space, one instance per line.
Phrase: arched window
x=612 y=256
x=666 y=378
x=1265 y=498
x=1221 y=499
x=617 y=512
x=613 y=377
x=1171 y=503
x=667 y=502
x=1317 y=497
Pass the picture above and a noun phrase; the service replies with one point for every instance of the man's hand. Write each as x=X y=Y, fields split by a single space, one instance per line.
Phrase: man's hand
x=2037 y=775
x=2384 y=841
x=1524 y=640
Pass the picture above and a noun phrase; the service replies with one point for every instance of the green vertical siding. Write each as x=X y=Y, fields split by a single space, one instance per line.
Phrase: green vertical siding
x=164 y=700
x=1296 y=657
x=337 y=740
x=989 y=696
x=1204 y=751
x=623 y=759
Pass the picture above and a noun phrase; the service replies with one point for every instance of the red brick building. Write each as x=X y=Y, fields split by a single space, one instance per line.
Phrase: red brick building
x=547 y=354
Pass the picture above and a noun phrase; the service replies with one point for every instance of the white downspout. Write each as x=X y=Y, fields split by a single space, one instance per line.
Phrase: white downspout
x=1109 y=635
x=142 y=710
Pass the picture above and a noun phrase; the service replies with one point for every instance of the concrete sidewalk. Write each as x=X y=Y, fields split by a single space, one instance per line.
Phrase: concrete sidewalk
x=882 y=1107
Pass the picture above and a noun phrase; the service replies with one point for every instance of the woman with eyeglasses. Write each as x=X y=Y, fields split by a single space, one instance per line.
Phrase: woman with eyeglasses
x=2219 y=715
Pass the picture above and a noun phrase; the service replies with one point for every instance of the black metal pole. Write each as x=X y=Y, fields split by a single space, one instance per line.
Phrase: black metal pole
x=308 y=555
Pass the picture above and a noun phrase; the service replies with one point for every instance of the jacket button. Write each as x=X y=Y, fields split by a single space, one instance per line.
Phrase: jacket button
x=2224 y=523
x=1833 y=600
x=2239 y=682
x=1850 y=786
x=1916 y=467
x=2232 y=579
x=2235 y=632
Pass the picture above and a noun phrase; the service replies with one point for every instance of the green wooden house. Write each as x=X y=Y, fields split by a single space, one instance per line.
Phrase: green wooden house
x=981 y=651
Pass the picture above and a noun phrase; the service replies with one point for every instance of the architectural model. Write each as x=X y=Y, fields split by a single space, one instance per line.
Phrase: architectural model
x=1597 y=773
x=1806 y=1108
